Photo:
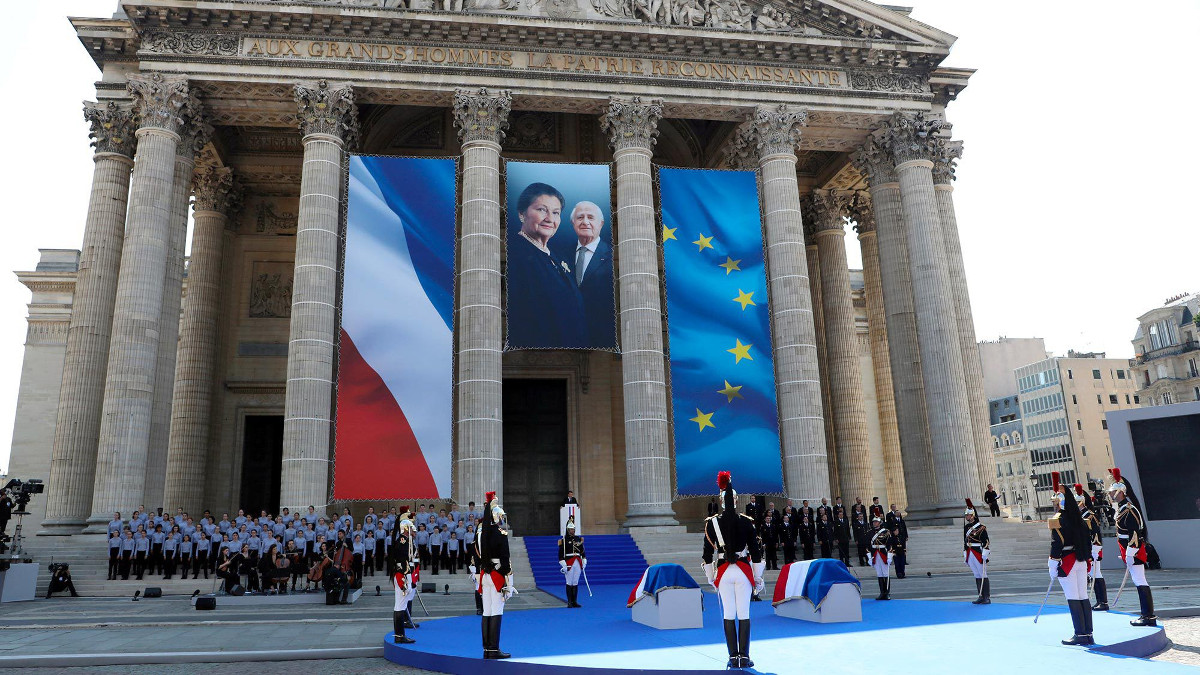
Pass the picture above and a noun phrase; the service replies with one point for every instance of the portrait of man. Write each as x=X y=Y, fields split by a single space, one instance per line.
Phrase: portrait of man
x=590 y=257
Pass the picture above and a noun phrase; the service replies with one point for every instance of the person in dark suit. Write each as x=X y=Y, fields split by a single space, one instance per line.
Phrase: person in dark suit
x=805 y=534
x=806 y=511
x=841 y=534
x=571 y=498
x=825 y=535
x=545 y=309
x=899 y=528
x=769 y=532
x=787 y=530
x=589 y=255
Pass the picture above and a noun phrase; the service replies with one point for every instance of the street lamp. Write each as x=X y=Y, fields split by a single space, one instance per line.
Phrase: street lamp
x=1037 y=500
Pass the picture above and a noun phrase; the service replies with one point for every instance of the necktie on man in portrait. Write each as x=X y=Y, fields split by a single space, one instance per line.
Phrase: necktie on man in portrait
x=580 y=263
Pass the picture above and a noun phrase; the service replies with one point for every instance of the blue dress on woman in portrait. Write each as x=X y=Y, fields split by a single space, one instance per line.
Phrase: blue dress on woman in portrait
x=545 y=309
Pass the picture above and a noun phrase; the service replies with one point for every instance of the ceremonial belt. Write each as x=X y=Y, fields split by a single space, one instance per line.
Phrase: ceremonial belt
x=975 y=545
x=741 y=564
x=573 y=559
x=1067 y=562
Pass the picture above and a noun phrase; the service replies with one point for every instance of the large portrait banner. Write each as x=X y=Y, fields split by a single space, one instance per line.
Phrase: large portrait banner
x=718 y=324
x=560 y=257
x=396 y=354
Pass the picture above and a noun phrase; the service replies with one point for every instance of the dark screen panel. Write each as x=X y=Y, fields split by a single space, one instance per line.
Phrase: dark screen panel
x=1168 y=460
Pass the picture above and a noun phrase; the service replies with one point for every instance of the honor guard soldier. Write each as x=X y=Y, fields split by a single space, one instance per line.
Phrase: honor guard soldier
x=405 y=525
x=572 y=560
x=495 y=578
x=883 y=547
x=733 y=563
x=402 y=565
x=1070 y=557
x=976 y=549
x=1131 y=542
x=1091 y=518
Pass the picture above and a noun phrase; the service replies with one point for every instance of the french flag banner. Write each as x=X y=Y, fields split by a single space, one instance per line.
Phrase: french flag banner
x=396 y=357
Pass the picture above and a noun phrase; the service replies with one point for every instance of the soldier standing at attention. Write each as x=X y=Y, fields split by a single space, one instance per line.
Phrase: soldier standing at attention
x=976 y=550
x=401 y=552
x=734 y=565
x=572 y=560
x=1092 y=520
x=882 y=549
x=1070 y=557
x=495 y=579
x=1131 y=542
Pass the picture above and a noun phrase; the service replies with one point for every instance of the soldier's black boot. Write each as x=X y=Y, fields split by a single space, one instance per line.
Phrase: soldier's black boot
x=575 y=593
x=398 y=629
x=985 y=596
x=1076 y=622
x=496 y=653
x=744 y=644
x=486 y=624
x=731 y=643
x=1101 y=595
x=883 y=588
x=1147 y=601
x=478 y=603
x=1086 y=608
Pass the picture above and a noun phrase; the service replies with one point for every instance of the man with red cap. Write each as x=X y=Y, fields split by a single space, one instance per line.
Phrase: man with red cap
x=883 y=549
x=733 y=563
x=1131 y=543
x=495 y=574
x=1070 y=557
x=976 y=549
x=1092 y=519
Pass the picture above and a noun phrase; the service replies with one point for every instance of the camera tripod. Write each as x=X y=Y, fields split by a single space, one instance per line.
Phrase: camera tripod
x=15 y=550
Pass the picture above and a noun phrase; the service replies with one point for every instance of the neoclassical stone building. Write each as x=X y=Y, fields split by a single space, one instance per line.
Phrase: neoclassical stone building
x=210 y=385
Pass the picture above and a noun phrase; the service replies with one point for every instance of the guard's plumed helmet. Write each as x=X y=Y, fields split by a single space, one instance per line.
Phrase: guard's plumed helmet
x=728 y=495
x=1058 y=495
x=1118 y=484
x=971 y=509
x=1081 y=496
x=571 y=523
x=493 y=506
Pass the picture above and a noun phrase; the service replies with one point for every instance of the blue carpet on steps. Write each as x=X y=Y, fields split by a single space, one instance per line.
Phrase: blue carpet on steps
x=613 y=559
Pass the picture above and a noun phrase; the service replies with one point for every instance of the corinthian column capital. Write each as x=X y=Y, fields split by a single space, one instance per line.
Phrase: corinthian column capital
x=632 y=123
x=743 y=147
x=195 y=132
x=113 y=127
x=825 y=211
x=216 y=190
x=160 y=100
x=777 y=129
x=331 y=111
x=480 y=115
x=862 y=211
x=874 y=161
x=944 y=161
x=910 y=137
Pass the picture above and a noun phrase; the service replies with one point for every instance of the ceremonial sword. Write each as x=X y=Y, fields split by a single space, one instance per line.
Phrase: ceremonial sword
x=1123 y=580
x=1043 y=605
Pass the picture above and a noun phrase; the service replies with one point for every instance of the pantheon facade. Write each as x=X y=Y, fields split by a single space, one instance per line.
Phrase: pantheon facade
x=207 y=382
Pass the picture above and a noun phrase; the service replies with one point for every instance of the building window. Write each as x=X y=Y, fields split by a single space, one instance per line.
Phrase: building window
x=1103 y=424
x=1074 y=400
x=1099 y=401
x=1126 y=399
x=1192 y=369
x=1120 y=374
x=1070 y=375
x=1079 y=425
x=1083 y=449
x=1166 y=399
x=1017 y=435
x=1137 y=399
x=1112 y=398
x=995 y=442
x=999 y=473
x=1095 y=373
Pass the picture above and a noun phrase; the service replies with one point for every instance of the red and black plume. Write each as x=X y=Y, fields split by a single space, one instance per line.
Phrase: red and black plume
x=487 y=499
x=723 y=480
x=1056 y=477
x=1116 y=474
x=969 y=504
x=1079 y=489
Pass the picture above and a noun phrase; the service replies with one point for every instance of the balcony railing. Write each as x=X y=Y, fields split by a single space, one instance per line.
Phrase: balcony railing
x=1182 y=348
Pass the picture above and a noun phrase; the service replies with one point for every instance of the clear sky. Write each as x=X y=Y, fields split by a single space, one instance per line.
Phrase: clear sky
x=1078 y=136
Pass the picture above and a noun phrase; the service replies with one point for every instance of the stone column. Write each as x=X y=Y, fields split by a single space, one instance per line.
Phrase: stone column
x=797 y=380
x=895 y=273
x=864 y=217
x=482 y=118
x=841 y=348
x=191 y=401
x=194 y=135
x=913 y=141
x=813 y=258
x=73 y=459
x=943 y=177
x=133 y=355
x=329 y=122
x=632 y=126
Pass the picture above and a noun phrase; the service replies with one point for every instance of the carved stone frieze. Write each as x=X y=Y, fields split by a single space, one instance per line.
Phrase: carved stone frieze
x=945 y=160
x=195 y=132
x=191 y=44
x=742 y=152
x=113 y=127
x=263 y=141
x=862 y=212
x=889 y=80
x=481 y=116
x=216 y=190
x=271 y=290
x=534 y=131
x=160 y=100
x=777 y=129
x=632 y=123
x=874 y=160
x=911 y=136
x=328 y=110
x=267 y=220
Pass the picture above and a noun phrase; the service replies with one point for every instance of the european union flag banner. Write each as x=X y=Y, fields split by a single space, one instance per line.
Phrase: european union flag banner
x=722 y=367
x=396 y=357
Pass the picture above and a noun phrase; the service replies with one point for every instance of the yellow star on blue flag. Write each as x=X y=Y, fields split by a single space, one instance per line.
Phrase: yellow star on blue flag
x=740 y=351
x=730 y=265
x=703 y=242
x=745 y=298
x=704 y=419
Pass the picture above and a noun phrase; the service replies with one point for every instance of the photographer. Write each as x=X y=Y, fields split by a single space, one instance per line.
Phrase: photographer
x=6 y=509
x=60 y=580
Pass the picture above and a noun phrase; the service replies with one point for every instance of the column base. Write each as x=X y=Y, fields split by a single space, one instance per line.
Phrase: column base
x=61 y=528
x=637 y=530
x=931 y=515
x=96 y=526
x=644 y=520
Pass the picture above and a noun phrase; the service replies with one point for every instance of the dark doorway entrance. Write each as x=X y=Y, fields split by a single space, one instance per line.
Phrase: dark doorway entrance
x=262 y=464
x=535 y=454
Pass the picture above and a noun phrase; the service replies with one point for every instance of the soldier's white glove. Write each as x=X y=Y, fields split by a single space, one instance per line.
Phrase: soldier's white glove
x=759 y=585
x=562 y=567
x=710 y=574
x=585 y=563
x=966 y=556
x=1052 y=566
x=986 y=552
x=758 y=569
x=1131 y=554
x=509 y=591
x=890 y=556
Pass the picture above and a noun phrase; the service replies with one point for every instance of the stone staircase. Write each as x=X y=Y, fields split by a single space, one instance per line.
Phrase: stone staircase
x=1016 y=545
x=87 y=554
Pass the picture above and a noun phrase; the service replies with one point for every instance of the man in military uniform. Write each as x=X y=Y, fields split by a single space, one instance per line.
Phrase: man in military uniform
x=402 y=565
x=733 y=564
x=883 y=547
x=495 y=579
x=1131 y=543
x=572 y=560
x=976 y=550
x=1070 y=557
x=1092 y=519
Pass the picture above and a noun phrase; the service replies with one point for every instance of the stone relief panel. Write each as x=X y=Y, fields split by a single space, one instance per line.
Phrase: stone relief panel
x=534 y=131
x=269 y=215
x=271 y=290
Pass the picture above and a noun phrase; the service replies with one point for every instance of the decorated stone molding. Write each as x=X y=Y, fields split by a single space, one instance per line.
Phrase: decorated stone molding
x=826 y=211
x=327 y=110
x=875 y=162
x=632 y=123
x=911 y=136
x=862 y=212
x=195 y=132
x=778 y=129
x=889 y=80
x=480 y=115
x=191 y=44
x=113 y=127
x=160 y=100
x=216 y=190
x=743 y=147
x=945 y=160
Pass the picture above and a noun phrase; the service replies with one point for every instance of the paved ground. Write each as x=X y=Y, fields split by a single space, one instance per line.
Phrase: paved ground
x=111 y=625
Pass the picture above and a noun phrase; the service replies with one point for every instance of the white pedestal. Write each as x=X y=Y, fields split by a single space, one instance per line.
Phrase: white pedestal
x=564 y=513
x=676 y=608
x=19 y=582
x=843 y=603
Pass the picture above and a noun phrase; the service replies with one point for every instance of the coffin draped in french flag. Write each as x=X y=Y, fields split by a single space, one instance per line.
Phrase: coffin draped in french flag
x=396 y=351
x=658 y=578
x=811 y=580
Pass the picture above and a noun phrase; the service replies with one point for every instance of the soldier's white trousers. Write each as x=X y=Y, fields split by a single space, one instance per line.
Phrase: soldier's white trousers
x=573 y=574
x=493 y=600
x=735 y=591
x=1075 y=585
x=978 y=567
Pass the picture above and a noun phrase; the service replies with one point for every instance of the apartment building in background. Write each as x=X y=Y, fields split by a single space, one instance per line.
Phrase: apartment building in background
x=1166 y=365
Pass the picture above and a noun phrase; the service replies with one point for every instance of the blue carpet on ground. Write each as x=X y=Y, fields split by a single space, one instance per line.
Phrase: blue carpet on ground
x=613 y=559
x=918 y=636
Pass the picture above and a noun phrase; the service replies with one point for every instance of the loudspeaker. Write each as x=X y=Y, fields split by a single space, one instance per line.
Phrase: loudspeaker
x=237 y=590
x=152 y=592
x=428 y=588
x=206 y=602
